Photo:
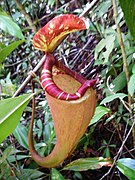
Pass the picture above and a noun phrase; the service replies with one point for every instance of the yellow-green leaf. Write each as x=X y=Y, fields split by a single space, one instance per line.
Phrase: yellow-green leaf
x=9 y=26
x=8 y=49
x=10 y=113
x=85 y=164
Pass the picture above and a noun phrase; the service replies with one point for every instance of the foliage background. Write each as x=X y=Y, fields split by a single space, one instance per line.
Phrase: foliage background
x=95 y=53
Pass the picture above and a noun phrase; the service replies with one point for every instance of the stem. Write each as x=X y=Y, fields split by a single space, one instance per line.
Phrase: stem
x=89 y=7
x=125 y=64
x=30 y=76
x=28 y=18
x=8 y=8
x=121 y=41
x=12 y=169
x=120 y=150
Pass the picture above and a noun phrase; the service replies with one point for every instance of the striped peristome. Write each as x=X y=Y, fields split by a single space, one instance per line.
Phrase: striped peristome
x=51 y=88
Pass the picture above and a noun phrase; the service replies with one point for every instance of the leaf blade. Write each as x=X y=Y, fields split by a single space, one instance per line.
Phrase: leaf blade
x=131 y=85
x=127 y=167
x=112 y=97
x=21 y=134
x=9 y=26
x=99 y=112
x=7 y=50
x=128 y=7
x=55 y=174
x=85 y=164
x=11 y=110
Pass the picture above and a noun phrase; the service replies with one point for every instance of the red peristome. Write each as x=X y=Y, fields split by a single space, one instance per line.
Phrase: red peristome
x=50 y=87
x=46 y=39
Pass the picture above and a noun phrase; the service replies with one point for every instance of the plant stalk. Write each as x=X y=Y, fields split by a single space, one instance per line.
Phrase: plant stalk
x=30 y=76
x=27 y=16
x=125 y=64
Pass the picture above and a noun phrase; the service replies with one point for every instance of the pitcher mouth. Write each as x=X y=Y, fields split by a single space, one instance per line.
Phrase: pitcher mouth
x=51 y=88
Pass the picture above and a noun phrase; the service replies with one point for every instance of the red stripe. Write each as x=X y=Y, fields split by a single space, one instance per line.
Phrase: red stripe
x=50 y=87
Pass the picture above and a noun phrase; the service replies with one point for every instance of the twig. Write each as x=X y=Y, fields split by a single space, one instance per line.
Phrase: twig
x=120 y=149
x=28 y=18
x=121 y=44
x=53 y=12
x=8 y=8
x=121 y=41
x=89 y=7
x=12 y=169
x=12 y=140
x=124 y=60
x=30 y=76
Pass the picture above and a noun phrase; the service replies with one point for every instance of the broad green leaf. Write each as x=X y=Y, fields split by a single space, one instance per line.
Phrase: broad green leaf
x=7 y=50
x=9 y=150
x=56 y=175
x=5 y=171
x=9 y=26
x=106 y=152
x=51 y=3
x=29 y=174
x=99 y=112
x=131 y=85
x=99 y=48
x=133 y=69
x=10 y=113
x=112 y=97
x=21 y=134
x=103 y=8
x=85 y=164
x=13 y=158
x=127 y=167
x=48 y=130
x=108 y=44
x=128 y=7
x=8 y=88
x=119 y=82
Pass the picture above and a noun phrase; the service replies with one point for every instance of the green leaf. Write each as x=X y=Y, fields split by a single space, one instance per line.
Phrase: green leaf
x=8 y=88
x=7 y=50
x=85 y=164
x=127 y=167
x=13 y=158
x=106 y=152
x=29 y=174
x=128 y=7
x=99 y=112
x=10 y=113
x=133 y=69
x=5 y=171
x=51 y=3
x=112 y=97
x=21 y=134
x=131 y=85
x=9 y=26
x=103 y=8
x=119 y=82
x=9 y=150
x=108 y=44
x=56 y=175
